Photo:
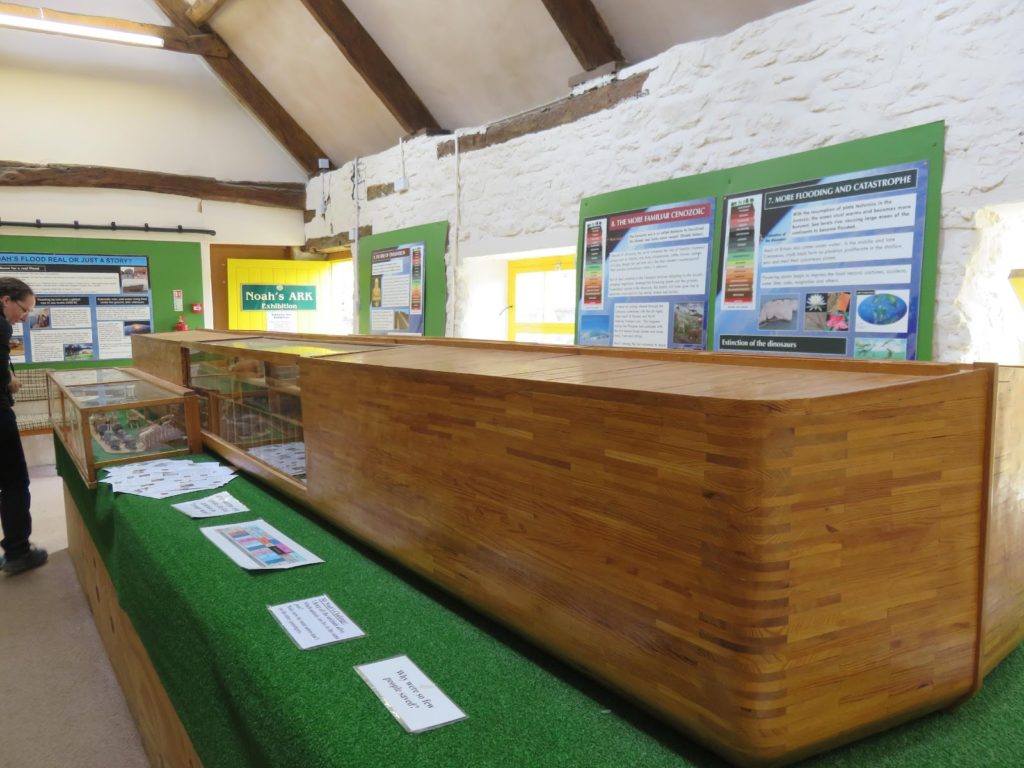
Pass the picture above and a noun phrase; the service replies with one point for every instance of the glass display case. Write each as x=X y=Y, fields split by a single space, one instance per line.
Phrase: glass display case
x=108 y=416
x=250 y=397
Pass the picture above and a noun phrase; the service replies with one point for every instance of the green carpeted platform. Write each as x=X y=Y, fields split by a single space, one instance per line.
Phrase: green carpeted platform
x=249 y=697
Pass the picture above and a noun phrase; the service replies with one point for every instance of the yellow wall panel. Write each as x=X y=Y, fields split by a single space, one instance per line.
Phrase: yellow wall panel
x=324 y=319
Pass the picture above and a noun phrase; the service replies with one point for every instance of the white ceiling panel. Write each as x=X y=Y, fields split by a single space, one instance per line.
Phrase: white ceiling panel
x=645 y=28
x=285 y=48
x=472 y=61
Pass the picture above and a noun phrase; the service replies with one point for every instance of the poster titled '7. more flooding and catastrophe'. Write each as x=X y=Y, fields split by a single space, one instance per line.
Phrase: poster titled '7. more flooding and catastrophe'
x=825 y=267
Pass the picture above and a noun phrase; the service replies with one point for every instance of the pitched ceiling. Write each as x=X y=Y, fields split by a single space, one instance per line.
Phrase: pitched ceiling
x=434 y=64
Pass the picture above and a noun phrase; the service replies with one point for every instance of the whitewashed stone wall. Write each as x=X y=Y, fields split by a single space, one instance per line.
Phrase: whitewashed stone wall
x=822 y=73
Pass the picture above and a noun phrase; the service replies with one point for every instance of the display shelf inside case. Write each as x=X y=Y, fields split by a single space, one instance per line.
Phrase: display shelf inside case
x=250 y=395
x=114 y=416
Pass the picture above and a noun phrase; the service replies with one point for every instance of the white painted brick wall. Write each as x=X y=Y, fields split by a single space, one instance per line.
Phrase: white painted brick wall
x=822 y=73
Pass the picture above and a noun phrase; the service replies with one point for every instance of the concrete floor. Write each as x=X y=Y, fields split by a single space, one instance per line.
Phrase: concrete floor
x=70 y=709
x=49 y=529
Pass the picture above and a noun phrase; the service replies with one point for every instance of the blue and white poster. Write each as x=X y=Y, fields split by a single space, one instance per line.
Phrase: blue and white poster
x=396 y=289
x=829 y=267
x=644 y=277
x=87 y=307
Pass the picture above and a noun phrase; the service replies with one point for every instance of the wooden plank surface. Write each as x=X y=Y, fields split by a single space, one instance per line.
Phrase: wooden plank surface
x=683 y=377
x=916 y=369
x=1004 y=573
x=163 y=736
x=771 y=581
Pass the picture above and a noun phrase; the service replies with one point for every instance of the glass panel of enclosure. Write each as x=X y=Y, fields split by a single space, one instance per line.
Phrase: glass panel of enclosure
x=134 y=430
x=91 y=376
x=252 y=404
x=66 y=419
x=116 y=393
x=137 y=430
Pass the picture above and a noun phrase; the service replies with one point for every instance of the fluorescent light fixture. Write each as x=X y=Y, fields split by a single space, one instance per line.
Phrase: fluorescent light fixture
x=77 y=30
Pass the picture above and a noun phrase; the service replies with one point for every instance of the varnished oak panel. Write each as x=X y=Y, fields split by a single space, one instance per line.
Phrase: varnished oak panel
x=163 y=736
x=777 y=555
x=697 y=378
x=1004 y=572
x=888 y=367
x=158 y=357
x=771 y=576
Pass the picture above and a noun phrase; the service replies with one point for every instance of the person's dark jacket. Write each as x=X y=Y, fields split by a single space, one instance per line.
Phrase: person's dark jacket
x=5 y=362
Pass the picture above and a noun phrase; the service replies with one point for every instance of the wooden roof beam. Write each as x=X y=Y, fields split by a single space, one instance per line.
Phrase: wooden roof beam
x=173 y=39
x=268 y=193
x=585 y=32
x=372 y=64
x=251 y=92
x=204 y=10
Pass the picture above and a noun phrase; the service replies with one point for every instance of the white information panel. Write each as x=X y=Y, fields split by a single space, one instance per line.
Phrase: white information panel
x=218 y=504
x=257 y=545
x=412 y=697
x=315 y=621
x=87 y=308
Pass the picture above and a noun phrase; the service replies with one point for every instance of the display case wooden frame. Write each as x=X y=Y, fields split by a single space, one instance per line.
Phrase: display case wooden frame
x=263 y=367
x=776 y=555
x=70 y=417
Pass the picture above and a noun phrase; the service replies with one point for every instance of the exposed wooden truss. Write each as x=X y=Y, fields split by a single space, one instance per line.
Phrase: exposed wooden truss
x=338 y=242
x=251 y=92
x=174 y=39
x=272 y=194
x=549 y=116
x=203 y=10
x=372 y=64
x=585 y=31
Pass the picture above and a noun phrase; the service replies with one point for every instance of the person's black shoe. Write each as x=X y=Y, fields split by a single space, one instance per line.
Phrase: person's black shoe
x=33 y=559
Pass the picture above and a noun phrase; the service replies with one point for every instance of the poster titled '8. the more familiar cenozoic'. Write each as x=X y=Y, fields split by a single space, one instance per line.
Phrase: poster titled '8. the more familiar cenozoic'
x=645 y=274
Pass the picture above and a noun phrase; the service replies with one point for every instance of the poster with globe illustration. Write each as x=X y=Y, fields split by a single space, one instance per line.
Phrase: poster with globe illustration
x=829 y=266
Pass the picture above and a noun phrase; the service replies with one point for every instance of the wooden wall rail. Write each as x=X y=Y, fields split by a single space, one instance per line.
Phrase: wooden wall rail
x=776 y=562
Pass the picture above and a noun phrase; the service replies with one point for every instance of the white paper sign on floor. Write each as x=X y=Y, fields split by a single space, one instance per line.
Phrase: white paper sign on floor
x=412 y=697
x=315 y=621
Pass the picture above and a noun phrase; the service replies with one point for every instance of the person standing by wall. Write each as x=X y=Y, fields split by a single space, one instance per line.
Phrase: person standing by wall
x=17 y=300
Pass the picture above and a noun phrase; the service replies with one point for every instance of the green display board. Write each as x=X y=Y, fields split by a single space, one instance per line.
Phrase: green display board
x=919 y=149
x=435 y=286
x=172 y=266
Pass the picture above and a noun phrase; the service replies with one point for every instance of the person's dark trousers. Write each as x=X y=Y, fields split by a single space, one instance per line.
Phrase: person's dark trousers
x=15 y=498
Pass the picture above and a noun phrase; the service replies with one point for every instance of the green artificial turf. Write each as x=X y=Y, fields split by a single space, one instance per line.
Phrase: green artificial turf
x=249 y=697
